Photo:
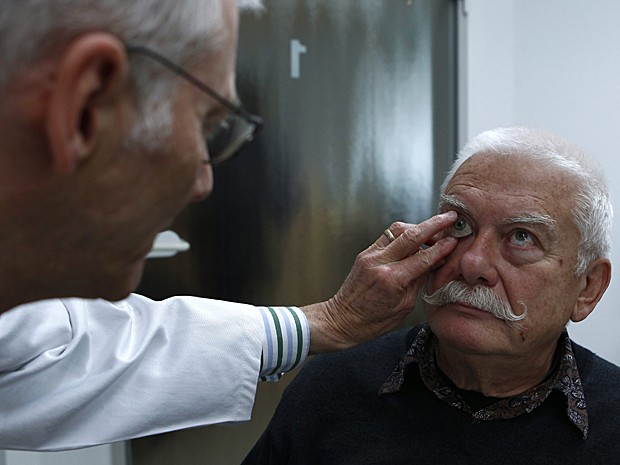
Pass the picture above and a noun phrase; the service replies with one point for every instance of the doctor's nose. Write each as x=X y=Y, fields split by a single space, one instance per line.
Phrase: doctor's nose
x=203 y=184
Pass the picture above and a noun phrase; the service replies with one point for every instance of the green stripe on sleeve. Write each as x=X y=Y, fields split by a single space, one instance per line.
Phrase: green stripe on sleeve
x=278 y=328
x=300 y=337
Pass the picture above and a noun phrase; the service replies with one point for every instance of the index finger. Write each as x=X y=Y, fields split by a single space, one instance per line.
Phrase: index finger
x=411 y=237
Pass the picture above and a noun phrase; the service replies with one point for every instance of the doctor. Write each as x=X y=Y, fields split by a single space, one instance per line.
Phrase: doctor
x=104 y=110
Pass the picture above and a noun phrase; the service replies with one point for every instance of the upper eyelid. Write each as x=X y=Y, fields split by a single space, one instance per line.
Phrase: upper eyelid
x=464 y=215
x=541 y=223
x=534 y=238
x=541 y=228
x=529 y=221
x=537 y=224
x=528 y=227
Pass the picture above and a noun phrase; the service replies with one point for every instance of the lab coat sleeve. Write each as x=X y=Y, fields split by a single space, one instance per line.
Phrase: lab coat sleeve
x=76 y=373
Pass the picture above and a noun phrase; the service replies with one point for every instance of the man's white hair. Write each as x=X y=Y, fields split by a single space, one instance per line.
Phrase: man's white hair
x=592 y=210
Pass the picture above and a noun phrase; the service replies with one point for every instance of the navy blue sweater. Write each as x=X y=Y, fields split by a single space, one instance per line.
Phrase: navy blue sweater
x=332 y=414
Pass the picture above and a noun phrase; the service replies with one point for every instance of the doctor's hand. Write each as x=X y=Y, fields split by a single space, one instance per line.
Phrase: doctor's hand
x=382 y=287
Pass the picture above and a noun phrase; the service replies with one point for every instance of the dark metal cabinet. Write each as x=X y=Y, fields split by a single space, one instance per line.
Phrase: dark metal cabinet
x=359 y=103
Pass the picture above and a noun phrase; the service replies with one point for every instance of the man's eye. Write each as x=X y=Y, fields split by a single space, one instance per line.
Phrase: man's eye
x=522 y=238
x=460 y=228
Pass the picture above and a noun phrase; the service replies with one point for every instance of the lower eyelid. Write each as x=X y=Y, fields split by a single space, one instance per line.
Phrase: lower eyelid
x=459 y=234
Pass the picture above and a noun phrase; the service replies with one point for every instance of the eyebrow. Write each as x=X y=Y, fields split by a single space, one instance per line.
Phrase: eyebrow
x=448 y=201
x=543 y=220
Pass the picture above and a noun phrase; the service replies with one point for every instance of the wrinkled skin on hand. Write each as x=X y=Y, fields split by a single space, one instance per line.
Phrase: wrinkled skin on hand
x=382 y=287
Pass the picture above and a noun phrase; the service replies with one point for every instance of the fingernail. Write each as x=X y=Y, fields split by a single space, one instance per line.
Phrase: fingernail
x=450 y=214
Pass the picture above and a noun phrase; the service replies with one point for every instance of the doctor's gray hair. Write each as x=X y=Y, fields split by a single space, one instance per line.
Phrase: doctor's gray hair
x=592 y=212
x=181 y=30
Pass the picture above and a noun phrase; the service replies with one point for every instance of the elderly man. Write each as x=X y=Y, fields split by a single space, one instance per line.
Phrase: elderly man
x=101 y=144
x=492 y=377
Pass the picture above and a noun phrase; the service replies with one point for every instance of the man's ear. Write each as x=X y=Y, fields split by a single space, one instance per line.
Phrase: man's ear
x=594 y=283
x=90 y=74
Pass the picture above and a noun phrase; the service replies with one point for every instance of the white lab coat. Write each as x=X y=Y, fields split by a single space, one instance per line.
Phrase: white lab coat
x=75 y=373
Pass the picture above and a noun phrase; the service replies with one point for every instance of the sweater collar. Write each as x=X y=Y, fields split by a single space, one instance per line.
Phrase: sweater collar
x=564 y=379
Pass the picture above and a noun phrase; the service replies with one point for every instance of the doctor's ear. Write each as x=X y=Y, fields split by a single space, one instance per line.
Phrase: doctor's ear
x=594 y=283
x=89 y=77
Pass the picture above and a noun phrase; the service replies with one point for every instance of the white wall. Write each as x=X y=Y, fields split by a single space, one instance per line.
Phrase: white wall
x=553 y=64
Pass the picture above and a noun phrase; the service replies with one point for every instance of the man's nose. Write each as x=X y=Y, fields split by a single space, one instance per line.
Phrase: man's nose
x=479 y=260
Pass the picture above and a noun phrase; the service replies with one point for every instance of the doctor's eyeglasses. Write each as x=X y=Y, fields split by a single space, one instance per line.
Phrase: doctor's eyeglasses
x=237 y=129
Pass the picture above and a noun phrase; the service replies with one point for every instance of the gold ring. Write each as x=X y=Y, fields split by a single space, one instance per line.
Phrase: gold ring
x=388 y=233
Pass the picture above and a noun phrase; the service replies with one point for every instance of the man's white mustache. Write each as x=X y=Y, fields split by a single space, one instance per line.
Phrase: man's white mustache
x=480 y=297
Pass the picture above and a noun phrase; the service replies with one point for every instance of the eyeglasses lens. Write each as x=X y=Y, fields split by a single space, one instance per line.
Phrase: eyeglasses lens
x=230 y=137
